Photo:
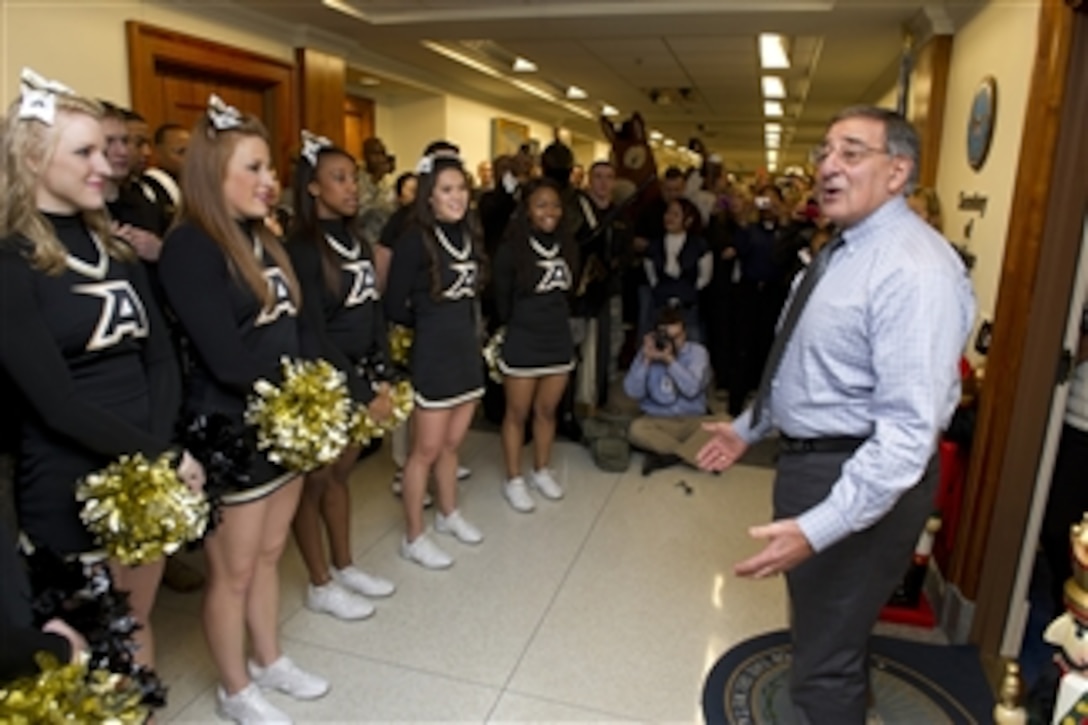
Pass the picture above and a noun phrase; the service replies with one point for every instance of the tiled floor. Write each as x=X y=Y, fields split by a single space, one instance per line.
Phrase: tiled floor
x=610 y=605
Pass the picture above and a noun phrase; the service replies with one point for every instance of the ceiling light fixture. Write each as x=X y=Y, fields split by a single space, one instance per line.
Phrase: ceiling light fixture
x=578 y=110
x=773 y=142
x=772 y=127
x=343 y=7
x=772 y=156
x=772 y=51
x=576 y=94
x=531 y=89
x=773 y=109
x=656 y=135
x=670 y=142
x=773 y=87
x=608 y=110
x=461 y=58
x=524 y=65
x=405 y=12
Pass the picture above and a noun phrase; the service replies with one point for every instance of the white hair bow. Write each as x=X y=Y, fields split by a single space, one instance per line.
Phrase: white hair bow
x=38 y=97
x=312 y=145
x=224 y=117
x=426 y=164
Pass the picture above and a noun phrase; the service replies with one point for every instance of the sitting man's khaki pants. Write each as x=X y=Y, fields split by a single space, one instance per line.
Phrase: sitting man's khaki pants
x=683 y=436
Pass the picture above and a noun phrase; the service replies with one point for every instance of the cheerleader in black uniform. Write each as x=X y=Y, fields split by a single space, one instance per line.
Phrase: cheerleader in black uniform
x=433 y=280
x=80 y=334
x=335 y=268
x=533 y=273
x=231 y=286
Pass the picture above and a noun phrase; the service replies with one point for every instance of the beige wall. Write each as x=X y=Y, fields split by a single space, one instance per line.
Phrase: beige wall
x=82 y=44
x=411 y=126
x=889 y=99
x=468 y=124
x=86 y=49
x=1000 y=41
x=407 y=127
x=386 y=130
x=587 y=150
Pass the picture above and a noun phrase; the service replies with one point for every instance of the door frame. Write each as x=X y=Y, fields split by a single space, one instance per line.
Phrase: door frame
x=364 y=108
x=150 y=47
x=1037 y=282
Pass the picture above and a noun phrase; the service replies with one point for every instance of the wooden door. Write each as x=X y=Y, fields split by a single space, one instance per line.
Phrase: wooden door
x=358 y=124
x=185 y=96
x=172 y=74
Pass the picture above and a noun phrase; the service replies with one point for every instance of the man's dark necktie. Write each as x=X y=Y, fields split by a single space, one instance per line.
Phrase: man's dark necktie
x=804 y=290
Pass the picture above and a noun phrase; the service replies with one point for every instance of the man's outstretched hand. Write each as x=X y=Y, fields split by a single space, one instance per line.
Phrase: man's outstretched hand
x=786 y=548
x=723 y=449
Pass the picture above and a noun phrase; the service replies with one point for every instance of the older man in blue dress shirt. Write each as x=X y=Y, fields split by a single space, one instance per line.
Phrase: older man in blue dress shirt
x=865 y=383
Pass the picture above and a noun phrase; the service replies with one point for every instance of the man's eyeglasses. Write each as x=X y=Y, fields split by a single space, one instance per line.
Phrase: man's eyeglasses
x=852 y=153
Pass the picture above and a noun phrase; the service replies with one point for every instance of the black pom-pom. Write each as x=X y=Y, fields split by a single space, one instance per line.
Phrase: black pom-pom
x=226 y=452
x=82 y=595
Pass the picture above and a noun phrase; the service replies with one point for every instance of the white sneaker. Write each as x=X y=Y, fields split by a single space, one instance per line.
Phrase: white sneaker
x=425 y=552
x=334 y=599
x=517 y=495
x=248 y=707
x=359 y=581
x=285 y=676
x=398 y=489
x=544 y=482
x=455 y=525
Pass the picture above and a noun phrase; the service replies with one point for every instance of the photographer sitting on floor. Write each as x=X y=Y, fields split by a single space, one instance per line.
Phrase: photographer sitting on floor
x=669 y=378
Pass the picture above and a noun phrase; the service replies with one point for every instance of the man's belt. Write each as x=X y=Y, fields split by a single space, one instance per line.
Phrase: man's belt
x=830 y=444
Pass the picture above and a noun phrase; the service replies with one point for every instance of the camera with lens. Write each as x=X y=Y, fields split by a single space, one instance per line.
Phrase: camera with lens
x=662 y=341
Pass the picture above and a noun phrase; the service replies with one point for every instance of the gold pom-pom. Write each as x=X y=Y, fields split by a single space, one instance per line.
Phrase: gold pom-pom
x=400 y=344
x=304 y=423
x=364 y=428
x=492 y=352
x=69 y=693
x=140 y=510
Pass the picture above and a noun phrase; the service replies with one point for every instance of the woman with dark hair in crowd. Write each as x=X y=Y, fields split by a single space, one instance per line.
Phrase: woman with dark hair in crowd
x=335 y=268
x=234 y=291
x=679 y=264
x=82 y=337
x=533 y=278
x=434 y=278
x=405 y=186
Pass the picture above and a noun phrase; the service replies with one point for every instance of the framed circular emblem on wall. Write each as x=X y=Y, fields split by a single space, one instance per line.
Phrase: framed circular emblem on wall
x=980 y=124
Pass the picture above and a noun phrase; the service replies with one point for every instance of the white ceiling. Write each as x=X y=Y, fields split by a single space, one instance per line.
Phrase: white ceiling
x=620 y=51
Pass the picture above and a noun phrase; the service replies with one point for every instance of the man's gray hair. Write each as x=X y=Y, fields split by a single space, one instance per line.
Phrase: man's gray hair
x=900 y=137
